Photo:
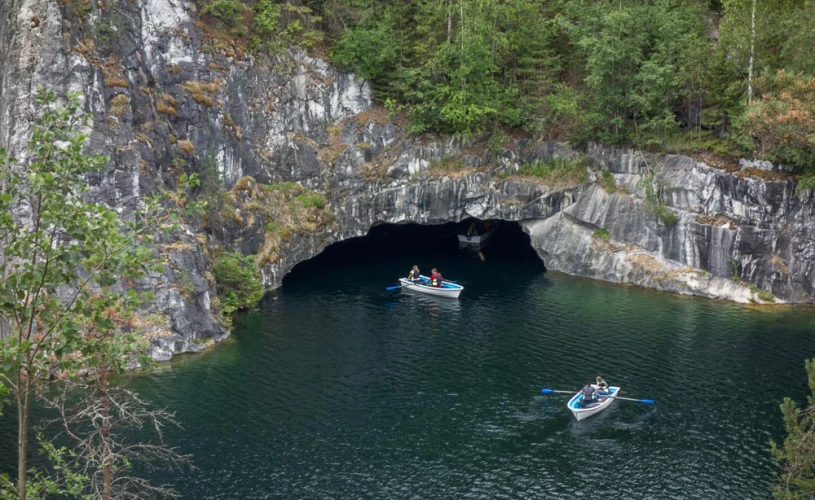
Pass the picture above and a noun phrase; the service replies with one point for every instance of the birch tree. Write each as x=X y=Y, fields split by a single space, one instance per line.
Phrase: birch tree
x=63 y=263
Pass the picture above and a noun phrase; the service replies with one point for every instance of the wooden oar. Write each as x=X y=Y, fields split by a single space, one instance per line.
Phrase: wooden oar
x=643 y=401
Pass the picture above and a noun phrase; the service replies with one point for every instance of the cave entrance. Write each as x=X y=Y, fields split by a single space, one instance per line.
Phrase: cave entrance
x=388 y=251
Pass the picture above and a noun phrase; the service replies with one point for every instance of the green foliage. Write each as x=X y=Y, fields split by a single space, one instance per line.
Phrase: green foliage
x=782 y=121
x=212 y=193
x=805 y=183
x=735 y=270
x=462 y=65
x=607 y=181
x=66 y=481
x=371 y=50
x=266 y=26
x=654 y=190
x=392 y=108
x=624 y=72
x=238 y=281
x=65 y=263
x=563 y=112
x=287 y=188
x=37 y=264
x=311 y=200
x=80 y=8
x=796 y=453
x=665 y=214
x=230 y=12
x=762 y=294
x=555 y=171
x=275 y=26
x=4 y=391
x=497 y=142
x=601 y=234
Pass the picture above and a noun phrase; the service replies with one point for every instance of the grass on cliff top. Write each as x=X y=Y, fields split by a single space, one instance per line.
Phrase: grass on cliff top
x=447 y=165
x=560 y=172
x=284 y=209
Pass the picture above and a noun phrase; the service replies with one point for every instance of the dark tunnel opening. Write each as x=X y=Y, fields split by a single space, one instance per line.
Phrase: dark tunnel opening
x=389 y=250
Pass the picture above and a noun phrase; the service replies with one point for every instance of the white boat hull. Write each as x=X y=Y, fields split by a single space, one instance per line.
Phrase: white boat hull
x=475 y=241
x=450 y=290
x=582 y=413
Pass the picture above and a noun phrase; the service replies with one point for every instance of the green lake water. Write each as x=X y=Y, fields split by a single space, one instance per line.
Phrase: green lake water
x=336 y=389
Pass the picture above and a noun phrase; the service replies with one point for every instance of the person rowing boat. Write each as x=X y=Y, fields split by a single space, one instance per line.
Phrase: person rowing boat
x=436 y=278
x=589 y=392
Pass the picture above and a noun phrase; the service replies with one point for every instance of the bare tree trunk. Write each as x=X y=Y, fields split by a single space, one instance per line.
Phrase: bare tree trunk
x=93 y=423
x=461 y=30
x=23 y=407
x=449 y=20
x=752 y=54
x=105 y=434
x=689 y=127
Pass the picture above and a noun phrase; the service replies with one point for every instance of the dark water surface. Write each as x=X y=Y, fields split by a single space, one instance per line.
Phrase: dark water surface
x=336 y=388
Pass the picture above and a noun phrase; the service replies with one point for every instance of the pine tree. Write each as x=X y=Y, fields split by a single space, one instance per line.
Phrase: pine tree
x=797 y=452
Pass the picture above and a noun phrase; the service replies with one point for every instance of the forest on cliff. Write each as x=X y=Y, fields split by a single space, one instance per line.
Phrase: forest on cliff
x=735 y=77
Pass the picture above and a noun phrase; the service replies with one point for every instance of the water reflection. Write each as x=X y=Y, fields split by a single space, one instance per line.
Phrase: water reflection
x=428 y=304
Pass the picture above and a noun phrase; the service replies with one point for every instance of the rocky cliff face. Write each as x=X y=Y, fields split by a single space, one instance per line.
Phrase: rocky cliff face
x=736 y=236
x=167 y=95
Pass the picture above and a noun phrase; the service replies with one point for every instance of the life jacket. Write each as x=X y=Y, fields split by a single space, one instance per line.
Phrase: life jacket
x=436 y=279
x=414 y=274
x=588 y=393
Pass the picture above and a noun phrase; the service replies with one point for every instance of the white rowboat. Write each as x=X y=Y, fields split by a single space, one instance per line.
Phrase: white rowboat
x=581 y=413
x=476 y=241
x=473 y=241
x=446 y=289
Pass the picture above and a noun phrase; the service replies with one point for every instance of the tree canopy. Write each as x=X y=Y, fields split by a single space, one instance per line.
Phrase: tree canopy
x=648 y=73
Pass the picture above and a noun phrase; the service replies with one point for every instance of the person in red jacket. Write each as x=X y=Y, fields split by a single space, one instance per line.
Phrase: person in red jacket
x=436 y=278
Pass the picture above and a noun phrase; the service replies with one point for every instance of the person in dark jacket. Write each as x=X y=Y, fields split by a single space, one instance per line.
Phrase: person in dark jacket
x=589 y=393
x=414 y=275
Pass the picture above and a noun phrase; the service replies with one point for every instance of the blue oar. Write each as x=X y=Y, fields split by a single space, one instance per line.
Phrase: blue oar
x=643 y=401
x=550 y=391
